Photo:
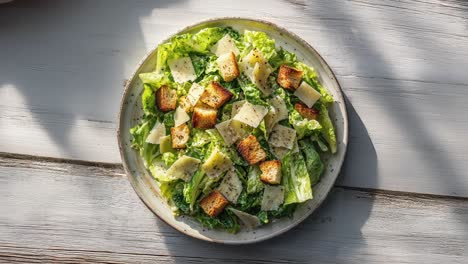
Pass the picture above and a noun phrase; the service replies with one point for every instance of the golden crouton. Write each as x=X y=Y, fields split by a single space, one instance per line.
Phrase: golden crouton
x=271 y=171
x=213 y=204
x=215 y=95
x=204 y=117
x=185 y=104
x=228 y=66
x=180 y=136
x=289 y=78
x=166 y=99
x=251 y=150
x=306 y=112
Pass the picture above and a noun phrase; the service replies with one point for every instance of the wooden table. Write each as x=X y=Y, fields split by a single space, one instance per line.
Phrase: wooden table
x=402 y=196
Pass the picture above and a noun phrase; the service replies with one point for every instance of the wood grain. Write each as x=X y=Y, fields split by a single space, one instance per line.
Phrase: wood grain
x=402 y=66
x=59 y=212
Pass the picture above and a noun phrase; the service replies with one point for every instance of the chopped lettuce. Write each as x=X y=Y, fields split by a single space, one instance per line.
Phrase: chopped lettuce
x=192 y=189
x=283 y=57
x=251 y=93
x=254 y=184
x=328 y=132
x=139 y=134
x=296 y=179
x=313 y=163
x=227 y=220
x=261 y=41
x=304 y=127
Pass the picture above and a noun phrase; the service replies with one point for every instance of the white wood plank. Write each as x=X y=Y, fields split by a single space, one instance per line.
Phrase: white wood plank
x=401 y=64
x=59 y=212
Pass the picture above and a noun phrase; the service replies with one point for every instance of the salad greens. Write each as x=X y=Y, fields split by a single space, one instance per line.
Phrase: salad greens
x=227 y=133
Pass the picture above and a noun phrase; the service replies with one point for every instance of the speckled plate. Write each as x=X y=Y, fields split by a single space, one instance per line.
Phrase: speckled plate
x=145 y=186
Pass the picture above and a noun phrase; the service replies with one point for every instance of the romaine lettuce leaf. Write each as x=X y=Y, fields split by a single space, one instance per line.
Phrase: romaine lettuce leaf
x=304 y=127
x=139 y=134
x=251 y=93
x=295 y=179
x=260 y=41
x=249 y=203
x=283 y=57
x=313 y=163
x=169 y=158
x=192 y=189
x=254 y=184
x=328 y=132
x=227 y=220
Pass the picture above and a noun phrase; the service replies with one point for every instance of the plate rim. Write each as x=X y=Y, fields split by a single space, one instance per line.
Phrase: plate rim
x=294 y=36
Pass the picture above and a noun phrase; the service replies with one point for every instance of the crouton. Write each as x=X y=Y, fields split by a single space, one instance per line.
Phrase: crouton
x=215 y=95
x=271 y=171
x=213 y=204
x=306 y=112
x=289 y=78
x=185 y=104
x=204 y=117
x=166 y=99
x=228 y=66
x=251 y=150
x=180 y=136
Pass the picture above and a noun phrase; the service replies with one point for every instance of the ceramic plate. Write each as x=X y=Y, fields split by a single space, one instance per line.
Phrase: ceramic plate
x=145 y=186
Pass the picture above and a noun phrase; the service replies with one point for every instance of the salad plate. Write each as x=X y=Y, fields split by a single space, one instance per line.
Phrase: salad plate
x=233 y=130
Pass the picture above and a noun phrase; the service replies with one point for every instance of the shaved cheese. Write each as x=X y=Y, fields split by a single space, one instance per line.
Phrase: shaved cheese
x=216 y=164
x=271 y=119
x=251 y=114
x=253 y=57
x=180 y=116
x=279 y=152
x=239 y=128
x=165 y=144
x=182 y=70
x=236 y=106
x=307 y=94
x=257 y=69
x=158 y=131
x=183 y=168
x=261 y=71
x=273 y=197
x=231 y=186
x=249 y=221
x=225 y=45
x=194 y=93
x=227 y=132
x=280 y=107
x=282 y=136
x=278 y=112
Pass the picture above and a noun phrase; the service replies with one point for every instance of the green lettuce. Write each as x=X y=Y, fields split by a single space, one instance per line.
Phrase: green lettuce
x=295 y=179
x=249 y=203
x=139 y=134
x=260 y=41
x=169 y=158
x=227 y=220
x=251 y=93
x=254 y=184
x=283 y=57
x=312 y=159
x=328 y=132
x=304 y=127
x=181 y=45
x=192 y=189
